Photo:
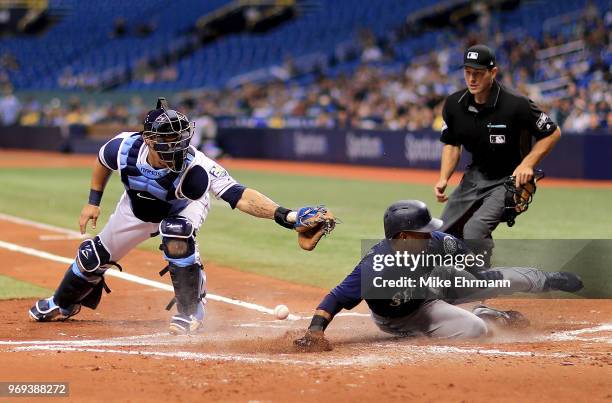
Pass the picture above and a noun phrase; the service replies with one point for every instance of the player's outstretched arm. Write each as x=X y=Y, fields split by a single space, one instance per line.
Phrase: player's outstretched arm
x=91 y=211
x=311 y=223
x=258 y=205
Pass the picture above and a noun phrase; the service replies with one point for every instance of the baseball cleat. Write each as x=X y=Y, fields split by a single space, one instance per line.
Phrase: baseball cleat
x=45 y=310
x=513 y=319
x=563 y=281
x=184 y=324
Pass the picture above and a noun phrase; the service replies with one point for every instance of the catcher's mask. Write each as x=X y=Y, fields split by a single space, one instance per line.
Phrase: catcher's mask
x=170 y=133
x=517 y=200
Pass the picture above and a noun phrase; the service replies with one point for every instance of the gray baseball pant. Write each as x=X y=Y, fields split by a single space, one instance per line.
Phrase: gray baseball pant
x=441 y=319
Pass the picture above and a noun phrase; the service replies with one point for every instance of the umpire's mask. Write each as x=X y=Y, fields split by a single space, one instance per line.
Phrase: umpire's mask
x=170 y=133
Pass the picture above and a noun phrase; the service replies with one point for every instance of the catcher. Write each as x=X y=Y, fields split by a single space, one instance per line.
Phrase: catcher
x=166 y=193
x=434 y=314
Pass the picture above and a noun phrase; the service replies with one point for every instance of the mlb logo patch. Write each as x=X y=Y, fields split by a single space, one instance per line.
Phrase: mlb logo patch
x=497 y=139
x=542 y=120
x=472 y=55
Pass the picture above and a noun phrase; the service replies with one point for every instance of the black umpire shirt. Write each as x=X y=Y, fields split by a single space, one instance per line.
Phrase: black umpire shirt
x=497 y=133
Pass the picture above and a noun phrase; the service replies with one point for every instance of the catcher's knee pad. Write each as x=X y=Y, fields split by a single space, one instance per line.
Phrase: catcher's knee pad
x=178 y=241
x=92 y=257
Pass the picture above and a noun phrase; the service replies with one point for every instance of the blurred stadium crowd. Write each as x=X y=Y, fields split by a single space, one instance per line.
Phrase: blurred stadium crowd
x=383 y=90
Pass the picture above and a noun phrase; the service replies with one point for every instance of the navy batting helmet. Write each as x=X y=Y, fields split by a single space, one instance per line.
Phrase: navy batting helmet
x=409 y=215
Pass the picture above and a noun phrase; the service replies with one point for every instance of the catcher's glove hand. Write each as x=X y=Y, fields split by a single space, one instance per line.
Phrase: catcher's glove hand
x=312 y=341
x=312 y=223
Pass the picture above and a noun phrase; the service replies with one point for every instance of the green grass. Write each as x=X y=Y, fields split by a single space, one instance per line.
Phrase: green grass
x=228 y=237
x=11 y=288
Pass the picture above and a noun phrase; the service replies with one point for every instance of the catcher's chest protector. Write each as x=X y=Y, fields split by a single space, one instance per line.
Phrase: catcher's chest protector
x=152 y=197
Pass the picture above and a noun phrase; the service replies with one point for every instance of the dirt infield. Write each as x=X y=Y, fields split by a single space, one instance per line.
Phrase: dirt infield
x=121 y=351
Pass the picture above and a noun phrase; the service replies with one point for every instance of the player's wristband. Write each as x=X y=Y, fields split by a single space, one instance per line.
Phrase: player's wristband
x=280 y=217
x=95 y=197
x=318 y=324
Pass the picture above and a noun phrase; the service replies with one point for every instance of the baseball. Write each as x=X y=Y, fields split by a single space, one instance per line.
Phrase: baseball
x=281 y=312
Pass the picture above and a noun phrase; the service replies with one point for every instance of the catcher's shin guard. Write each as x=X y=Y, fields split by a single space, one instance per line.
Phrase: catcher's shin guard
x=73 y=291
x=188 y=284
x=84 y=281
x=82 y=284
x=84 y=290
x=180 y=251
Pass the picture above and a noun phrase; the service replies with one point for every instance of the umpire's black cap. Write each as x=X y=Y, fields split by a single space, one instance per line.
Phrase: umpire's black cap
x=409 y=215
x=479 y=57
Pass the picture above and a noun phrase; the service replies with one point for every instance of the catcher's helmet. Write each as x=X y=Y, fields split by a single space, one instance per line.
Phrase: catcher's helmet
x=409 y=215
x=170 y=132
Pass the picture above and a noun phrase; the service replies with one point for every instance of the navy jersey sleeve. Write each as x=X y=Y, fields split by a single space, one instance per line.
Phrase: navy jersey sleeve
x=108 y=153
x=233 y=195
x=348 y=292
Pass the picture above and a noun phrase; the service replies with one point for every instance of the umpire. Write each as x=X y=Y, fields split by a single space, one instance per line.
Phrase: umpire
x=496 y=125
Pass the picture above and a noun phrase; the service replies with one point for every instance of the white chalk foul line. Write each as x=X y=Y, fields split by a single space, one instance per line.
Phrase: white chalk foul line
x=575 y=335
x=132 y=345
x=185 y=355
x=406 y=353
x=61 y=237
x=124 y=341
x=139 y=280
x=39 y=225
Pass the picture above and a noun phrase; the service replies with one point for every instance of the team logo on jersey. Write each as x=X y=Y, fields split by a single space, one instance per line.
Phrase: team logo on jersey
x=472 y=55
x=143 y=196
x=151 y=173
x=497 y=139
x=450 y=244
x=217 y=171
x=542 y=120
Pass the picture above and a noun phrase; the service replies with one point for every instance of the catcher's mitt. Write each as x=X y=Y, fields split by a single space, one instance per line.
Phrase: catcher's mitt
x=311 y=224
x=312 y=342
x=518 y=199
